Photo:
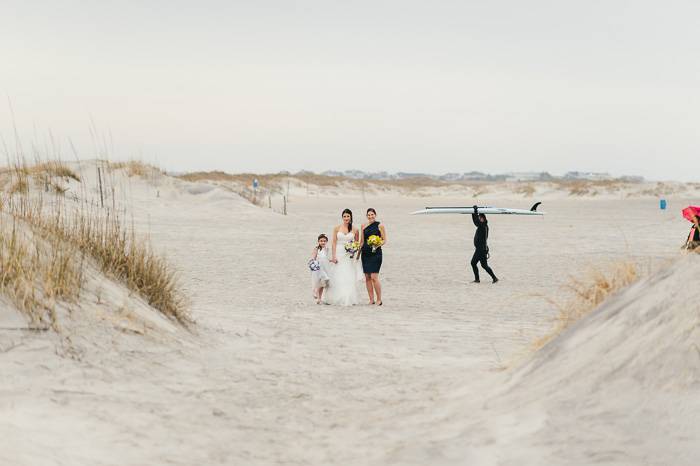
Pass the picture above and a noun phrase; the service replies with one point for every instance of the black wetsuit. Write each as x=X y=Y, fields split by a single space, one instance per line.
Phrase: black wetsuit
x=482 y=250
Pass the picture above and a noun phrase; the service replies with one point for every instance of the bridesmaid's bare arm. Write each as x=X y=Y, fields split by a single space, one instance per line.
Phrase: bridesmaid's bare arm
x=362 y=234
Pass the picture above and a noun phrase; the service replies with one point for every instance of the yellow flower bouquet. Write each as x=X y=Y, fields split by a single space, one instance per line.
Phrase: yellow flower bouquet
x=351 y=247
x=374 y=241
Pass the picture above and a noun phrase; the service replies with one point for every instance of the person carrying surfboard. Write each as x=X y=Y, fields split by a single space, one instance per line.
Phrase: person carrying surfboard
x=481 y=254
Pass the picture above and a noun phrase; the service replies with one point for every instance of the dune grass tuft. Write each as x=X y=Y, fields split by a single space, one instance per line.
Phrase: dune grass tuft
x=134 y=168
x=37 y=271
x=20 y=186
x=121 y=254
x=45 y=246
x=586 y=293
x=54 y=168
x=527 y=189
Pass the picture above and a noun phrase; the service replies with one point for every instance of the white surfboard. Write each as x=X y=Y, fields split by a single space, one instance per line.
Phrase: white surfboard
x=481 y=210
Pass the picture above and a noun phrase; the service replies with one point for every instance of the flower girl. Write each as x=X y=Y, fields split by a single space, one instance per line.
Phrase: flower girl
x=320 y=268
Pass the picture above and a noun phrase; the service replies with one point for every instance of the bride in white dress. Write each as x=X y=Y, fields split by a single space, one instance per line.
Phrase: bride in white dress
x=346 y=271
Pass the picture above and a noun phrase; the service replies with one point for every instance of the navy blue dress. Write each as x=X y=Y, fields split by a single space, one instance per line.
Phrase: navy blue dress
x=371 y=261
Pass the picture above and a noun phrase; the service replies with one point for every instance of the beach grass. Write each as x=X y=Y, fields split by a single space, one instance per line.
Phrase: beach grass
x=46 y=244
x=586 y=293
x=134 y=167
x=36 y=270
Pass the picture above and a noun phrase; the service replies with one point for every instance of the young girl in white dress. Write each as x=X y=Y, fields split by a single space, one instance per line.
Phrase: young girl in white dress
x=320 y=278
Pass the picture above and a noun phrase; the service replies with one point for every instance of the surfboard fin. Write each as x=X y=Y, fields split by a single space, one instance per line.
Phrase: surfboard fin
x=534 y=207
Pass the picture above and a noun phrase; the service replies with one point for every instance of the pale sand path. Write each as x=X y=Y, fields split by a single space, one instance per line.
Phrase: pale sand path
x=272 y=378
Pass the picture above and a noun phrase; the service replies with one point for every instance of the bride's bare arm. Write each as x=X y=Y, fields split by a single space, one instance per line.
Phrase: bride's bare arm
x=335 y=241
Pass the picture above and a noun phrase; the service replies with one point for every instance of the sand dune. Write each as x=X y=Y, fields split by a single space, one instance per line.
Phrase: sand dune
x=434 y=377
x=309 y=185
x=615 y=388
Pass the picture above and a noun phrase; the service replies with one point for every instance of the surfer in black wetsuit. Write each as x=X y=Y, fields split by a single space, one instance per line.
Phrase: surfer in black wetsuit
x=481 y=253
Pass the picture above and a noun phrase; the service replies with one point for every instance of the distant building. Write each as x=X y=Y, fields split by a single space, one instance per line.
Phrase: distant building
x=450 y=177
x=402 y=175
x=523 y=176
x=377 y=176
x=633 y=179
x=476 y=176
x=357 y=174
x=588 y=176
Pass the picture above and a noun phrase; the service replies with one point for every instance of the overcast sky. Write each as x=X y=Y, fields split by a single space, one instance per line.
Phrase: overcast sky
x=414 y=86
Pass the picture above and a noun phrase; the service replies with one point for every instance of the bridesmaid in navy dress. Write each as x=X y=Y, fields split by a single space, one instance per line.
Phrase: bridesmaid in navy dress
x=372 y=259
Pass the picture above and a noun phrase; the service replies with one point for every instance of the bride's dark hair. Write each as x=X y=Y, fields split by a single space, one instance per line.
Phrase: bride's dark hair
x=348 y=211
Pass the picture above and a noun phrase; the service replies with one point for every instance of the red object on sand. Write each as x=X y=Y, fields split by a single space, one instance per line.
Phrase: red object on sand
x=690 y=212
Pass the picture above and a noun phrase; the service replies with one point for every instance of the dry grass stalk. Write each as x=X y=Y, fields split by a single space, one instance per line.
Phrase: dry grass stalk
x=53 y=169
x=58 y=188
x=525 y=188
x=583 y=189
x=19 y=187
x=19 y=175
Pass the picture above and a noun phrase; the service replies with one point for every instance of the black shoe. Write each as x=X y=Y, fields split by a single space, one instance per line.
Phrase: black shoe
x=495 y=280
x=476 y=281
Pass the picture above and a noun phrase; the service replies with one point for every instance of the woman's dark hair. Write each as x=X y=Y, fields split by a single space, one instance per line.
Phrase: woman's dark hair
x=348 y=211
x=322 y=235
x=371 y=210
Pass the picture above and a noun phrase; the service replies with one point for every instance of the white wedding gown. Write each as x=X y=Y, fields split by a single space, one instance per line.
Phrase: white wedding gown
x=342 y=290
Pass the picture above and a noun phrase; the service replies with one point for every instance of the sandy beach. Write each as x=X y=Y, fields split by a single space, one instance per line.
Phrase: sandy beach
x=440 y=374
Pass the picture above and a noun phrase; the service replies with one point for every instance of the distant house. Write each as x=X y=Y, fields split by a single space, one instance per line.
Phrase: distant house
x=357 y=174
x=450 y=177
x=523 y=176
x=474 y=176
x=588 y=176
x=402 y=175
x=377 y=176
x=633 y=179
x=477 y=176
